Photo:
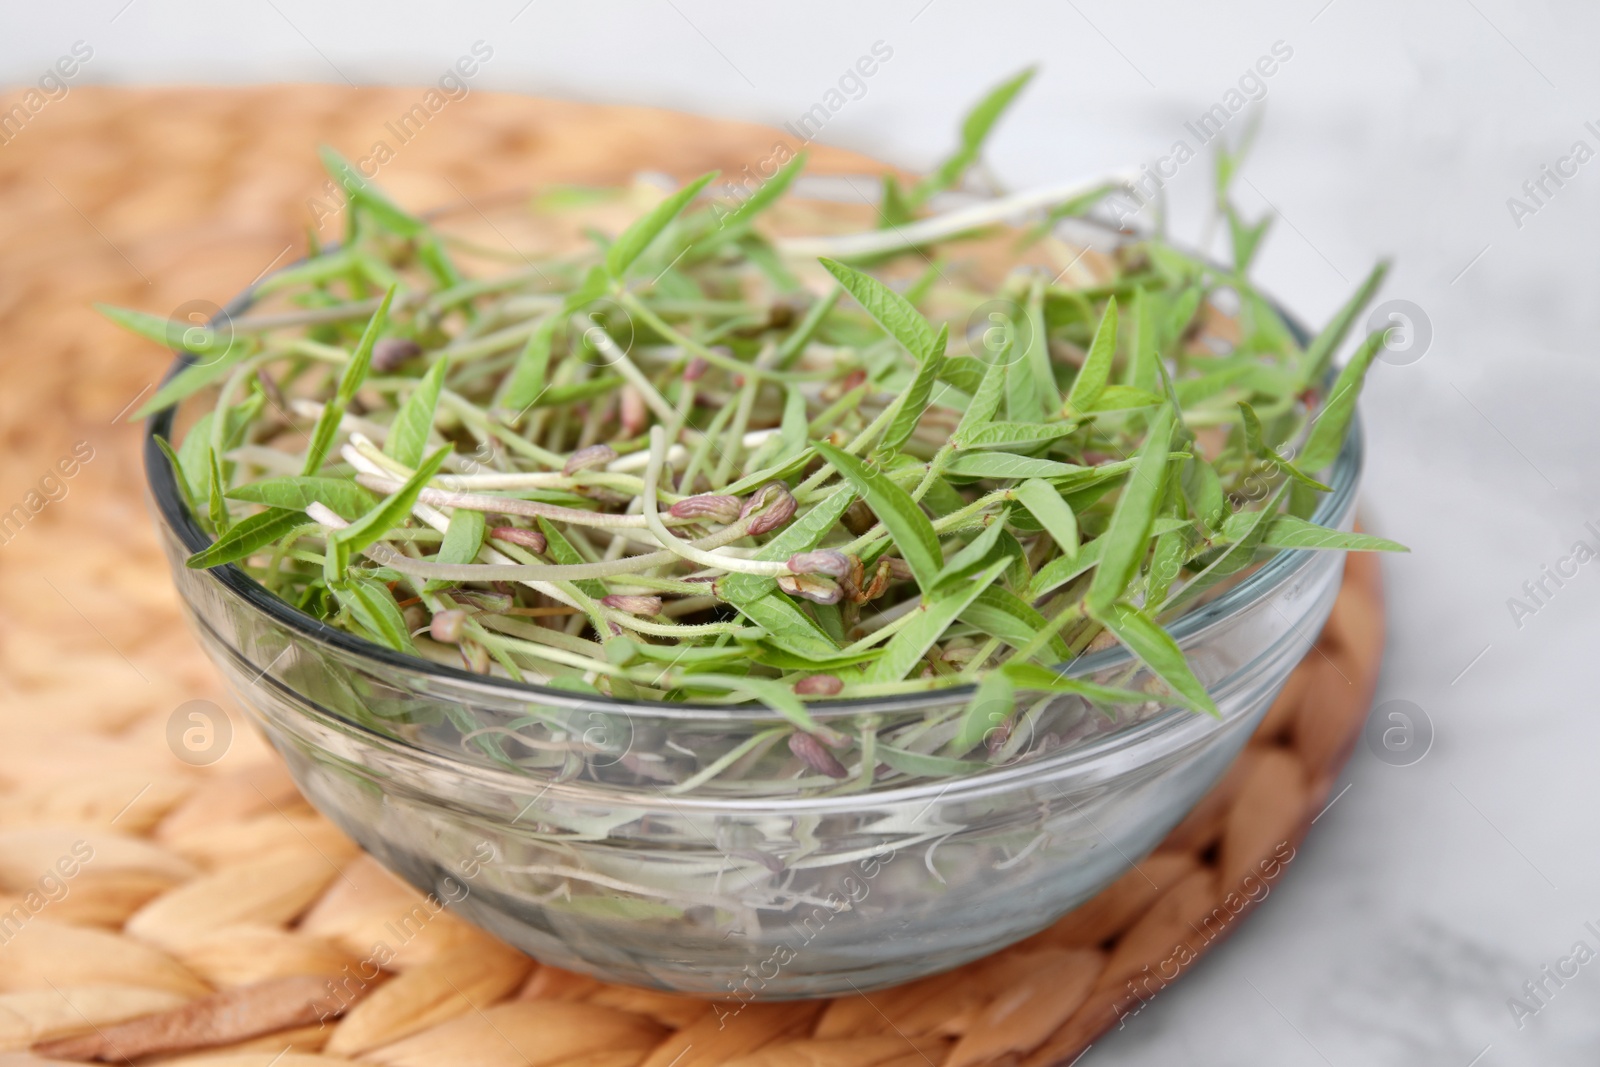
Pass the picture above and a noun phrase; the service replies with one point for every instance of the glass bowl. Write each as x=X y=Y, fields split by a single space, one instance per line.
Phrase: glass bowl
x=574 y=828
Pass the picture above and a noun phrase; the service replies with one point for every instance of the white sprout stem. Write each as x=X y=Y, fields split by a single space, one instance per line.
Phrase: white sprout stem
x=950 y=223
x=491 y=343
x=471 y=414
x=597 y=336
x=350 y=424
x=321 y=513
x=381 y=473
x=678 y=454
x=511 y=480
x=652 y=474
x=360 y=309
x=355 y=425
x=439 y=521
x=505 y=505
x=268 y=459
x=535 y=575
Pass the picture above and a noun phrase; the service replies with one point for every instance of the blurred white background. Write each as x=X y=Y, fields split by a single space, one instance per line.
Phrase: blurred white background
x=1428 y=894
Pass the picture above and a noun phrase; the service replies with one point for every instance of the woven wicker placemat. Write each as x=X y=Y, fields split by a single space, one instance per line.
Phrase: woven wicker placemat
x=176 y=910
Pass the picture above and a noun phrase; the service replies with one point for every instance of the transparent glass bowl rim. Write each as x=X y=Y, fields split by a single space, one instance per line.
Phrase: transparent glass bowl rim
x=237 y=585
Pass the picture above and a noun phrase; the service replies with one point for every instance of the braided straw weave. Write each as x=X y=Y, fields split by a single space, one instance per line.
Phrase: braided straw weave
x=156 y=911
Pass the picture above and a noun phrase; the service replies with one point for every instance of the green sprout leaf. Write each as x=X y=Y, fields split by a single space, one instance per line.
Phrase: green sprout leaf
x=367 y=197
x=1246 y=239
x=632 y=242
x=888 y=309
x=296 y=493
x=408 y=434
x=193 y=378
x=975 y=130
x=1006 y=616
x=375 y=524
x=246 y=537
x=1135 y=512
x=355 y=372
x=1333 y=422
x=1158 y=651
x=1255 y=445
x=1319 y=354
x=908 y=527
x=1290 y=531
x=1006 y=465
x=374 y=607
x=985 y=401
x=179 y=336
x=914 y=401
x=736 y=223
x=1053 y=513
x=1006 y=435
x=1096 y=371
x=976 y=555
x=906 y=648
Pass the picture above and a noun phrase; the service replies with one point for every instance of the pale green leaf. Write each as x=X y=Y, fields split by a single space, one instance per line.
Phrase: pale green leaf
x=1247 y=538
x=374 y=607
x=922 y=765
x=993 y=704
x=1289 y=531
x=1129 y=531
x=1095 y=373
x=1126 y=398
x=1006 y=465
x=985 y=400
x=1032 y=678
x=193 y=338
x=632 y=242
x=775 y=695
x=179 y=478
x=557 y=547
x=1255 y=444
x=246 y=537
x=350 y=379
x=296 y=493
x=463 y=538
x=1332 y=422
x=1004 y=615
x=1319 y=354
x=1146 y=348
x=914 y=401
x=736 y=223
x=193 y=378
x=899 y=319
x=975 y=129
x=529 y=377
x=975 y=556
x=1063 y=569
x=906 y=648
x=389 y=513
x=1158 y=651
x=1246 y=239
x=408 y=434
x=786 y=624
x=366 y=196
x=909 y=528
x=1004 y=435
x=965 y=373
x=1045 y=504
x=1031 y=389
